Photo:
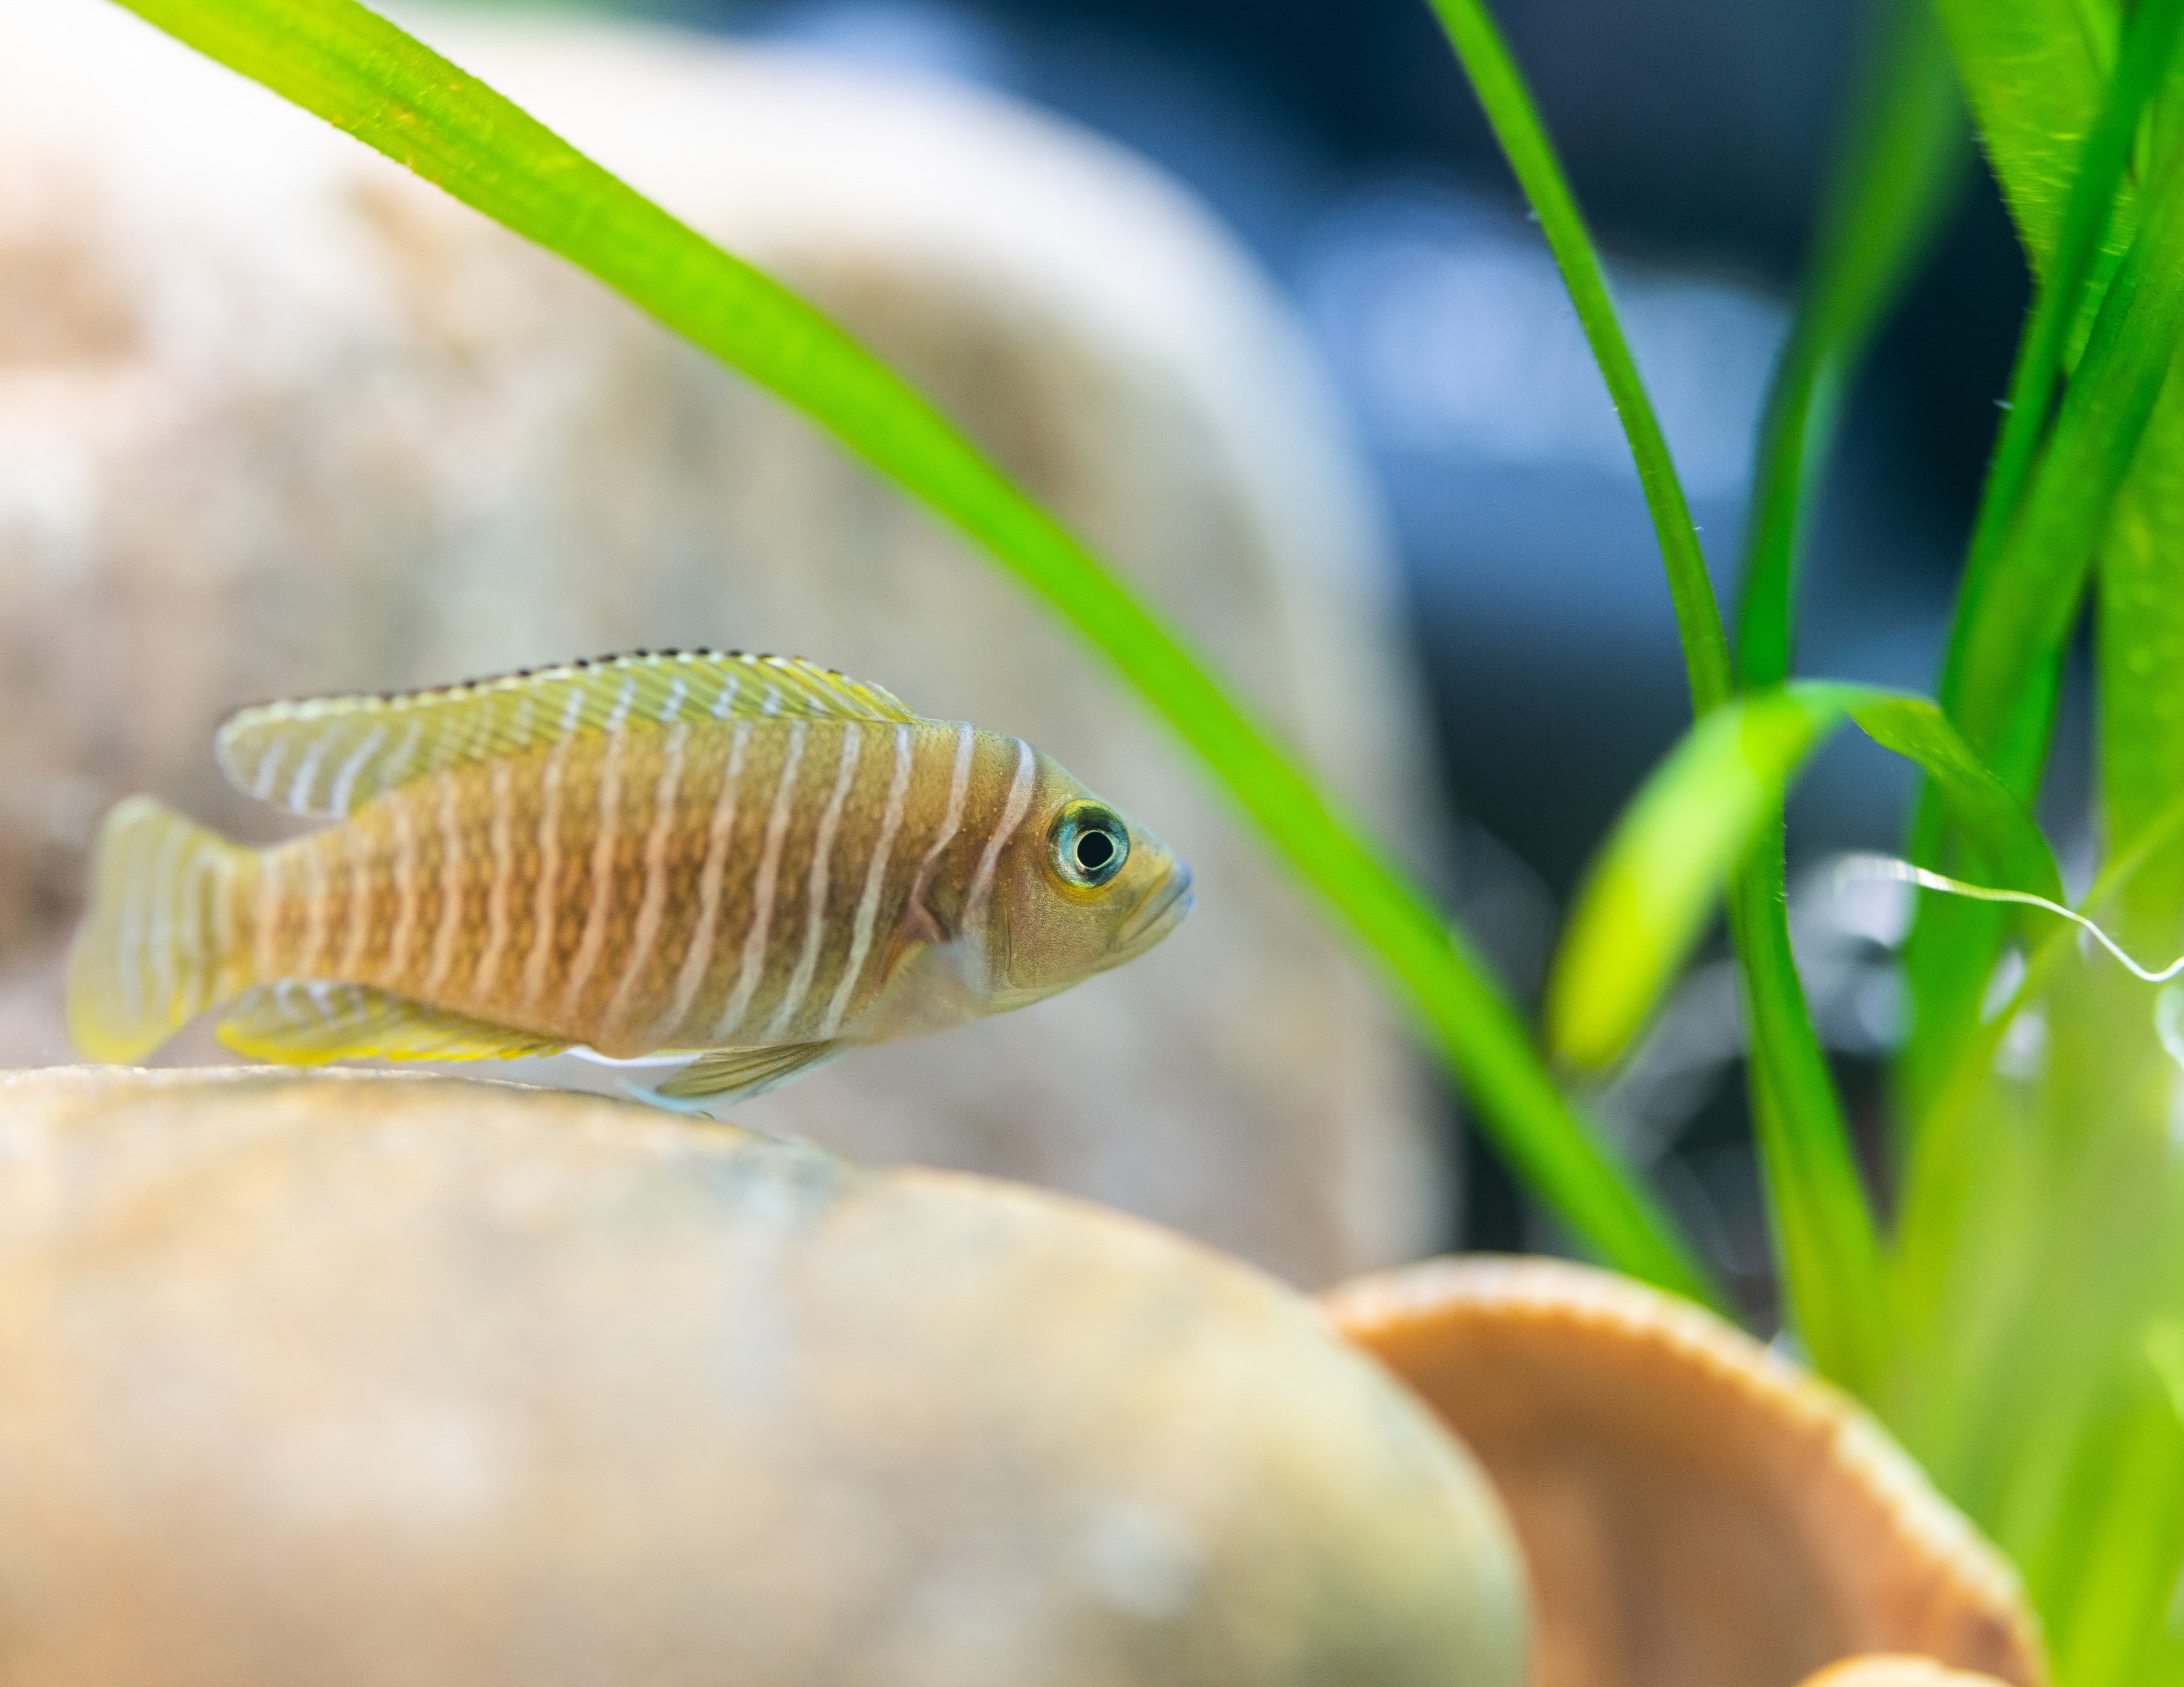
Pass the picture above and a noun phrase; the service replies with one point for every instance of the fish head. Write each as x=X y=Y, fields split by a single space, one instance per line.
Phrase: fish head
x=1081 y=887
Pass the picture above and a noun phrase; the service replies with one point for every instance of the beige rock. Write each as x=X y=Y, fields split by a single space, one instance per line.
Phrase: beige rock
x=1895 y=1670
x=1695 y=1510
x=370 y=1379
x=274 y=418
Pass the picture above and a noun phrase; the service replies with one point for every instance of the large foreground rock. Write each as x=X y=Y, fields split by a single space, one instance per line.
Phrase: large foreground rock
x=380 y=1379
x=276 y=418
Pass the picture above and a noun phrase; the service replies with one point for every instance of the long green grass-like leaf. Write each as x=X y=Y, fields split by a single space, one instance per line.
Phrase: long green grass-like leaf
x=2073 y=280
x=1515 y=120
x=2106 y=1569
x=362 y=74
x=1889 y=181
x=1903 y=161
x=1645 y=901
x=2035 y=78
x=2059 y=133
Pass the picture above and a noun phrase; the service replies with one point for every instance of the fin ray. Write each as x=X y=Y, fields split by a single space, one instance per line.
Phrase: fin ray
x=728 y=1075
x=306 y=1022
x=155 y=948
x=324 y=756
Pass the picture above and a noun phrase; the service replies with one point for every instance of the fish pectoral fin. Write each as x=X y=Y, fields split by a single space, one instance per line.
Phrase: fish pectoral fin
x=303 y=1022
x=740 y=1074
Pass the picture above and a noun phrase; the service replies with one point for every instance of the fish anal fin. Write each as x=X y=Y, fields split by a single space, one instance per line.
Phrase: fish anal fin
x=298 y=1022
x=728 y=1075
x=326 y=756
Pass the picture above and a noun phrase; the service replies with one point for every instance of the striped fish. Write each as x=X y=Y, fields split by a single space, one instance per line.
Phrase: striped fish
x=747 y=862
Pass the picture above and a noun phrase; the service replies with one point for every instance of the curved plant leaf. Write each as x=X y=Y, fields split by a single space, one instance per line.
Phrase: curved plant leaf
x=1647 y=900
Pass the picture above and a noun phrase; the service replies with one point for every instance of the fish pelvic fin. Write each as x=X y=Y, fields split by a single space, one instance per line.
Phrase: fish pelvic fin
x=156 y=946
x=734 y=1074
x=307 y=1022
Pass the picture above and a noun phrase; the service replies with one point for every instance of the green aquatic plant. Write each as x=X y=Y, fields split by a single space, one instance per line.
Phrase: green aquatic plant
x=2020 y=1318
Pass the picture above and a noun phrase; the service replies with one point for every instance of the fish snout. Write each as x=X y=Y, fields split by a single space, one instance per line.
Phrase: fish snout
x=1160 y=911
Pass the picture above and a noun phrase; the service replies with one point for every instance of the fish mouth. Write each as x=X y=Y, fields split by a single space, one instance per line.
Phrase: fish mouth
x=1159 y=913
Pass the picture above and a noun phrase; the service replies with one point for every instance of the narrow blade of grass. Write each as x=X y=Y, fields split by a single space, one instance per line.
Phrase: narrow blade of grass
x=1515 y=120
x=1902 y=162
x=2074 y=278
x=1827 y=1248
x=2035 y=80
x=1902 y=157
x=360 y=72
x=2110 y=1565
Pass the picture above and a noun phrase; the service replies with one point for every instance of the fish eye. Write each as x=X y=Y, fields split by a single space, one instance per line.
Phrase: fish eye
x=1089 y=845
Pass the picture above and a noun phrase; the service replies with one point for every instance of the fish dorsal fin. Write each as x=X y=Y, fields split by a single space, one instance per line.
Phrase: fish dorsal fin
x=328 y=755
x=304 y=1022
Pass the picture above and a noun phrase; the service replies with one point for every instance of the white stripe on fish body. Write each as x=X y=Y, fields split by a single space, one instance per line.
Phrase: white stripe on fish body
x=697 y=958
x=200 y=878
x=544 y=904
x=318 y=909
x=501 y=887
x=652 y=908
x=451 y=889
x=867 y=914
x=593 y=941
x=390 y=776
x=753 y=960
x=951 y=818
x=357 y=912
x=977 y=905
x=406 y=891
x=814 y=894
x=265 y=910
x=269 y=770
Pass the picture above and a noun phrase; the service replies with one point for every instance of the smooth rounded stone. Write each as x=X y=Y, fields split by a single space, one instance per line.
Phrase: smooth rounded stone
x=276 y=418
x=375 y=1378
x=1896 y=1669
x=1695 y=1509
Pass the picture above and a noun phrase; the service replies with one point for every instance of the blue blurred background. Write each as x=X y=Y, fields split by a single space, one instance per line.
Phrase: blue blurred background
x=1339 y=143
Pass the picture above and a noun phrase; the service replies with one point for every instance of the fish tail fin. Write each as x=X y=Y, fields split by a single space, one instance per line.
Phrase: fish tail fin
x=156 y=946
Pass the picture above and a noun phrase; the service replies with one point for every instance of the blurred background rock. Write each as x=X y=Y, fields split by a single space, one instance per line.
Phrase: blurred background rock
x=306 y=375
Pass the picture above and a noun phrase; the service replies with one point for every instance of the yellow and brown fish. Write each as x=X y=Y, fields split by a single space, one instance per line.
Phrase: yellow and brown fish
x=748 y=862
